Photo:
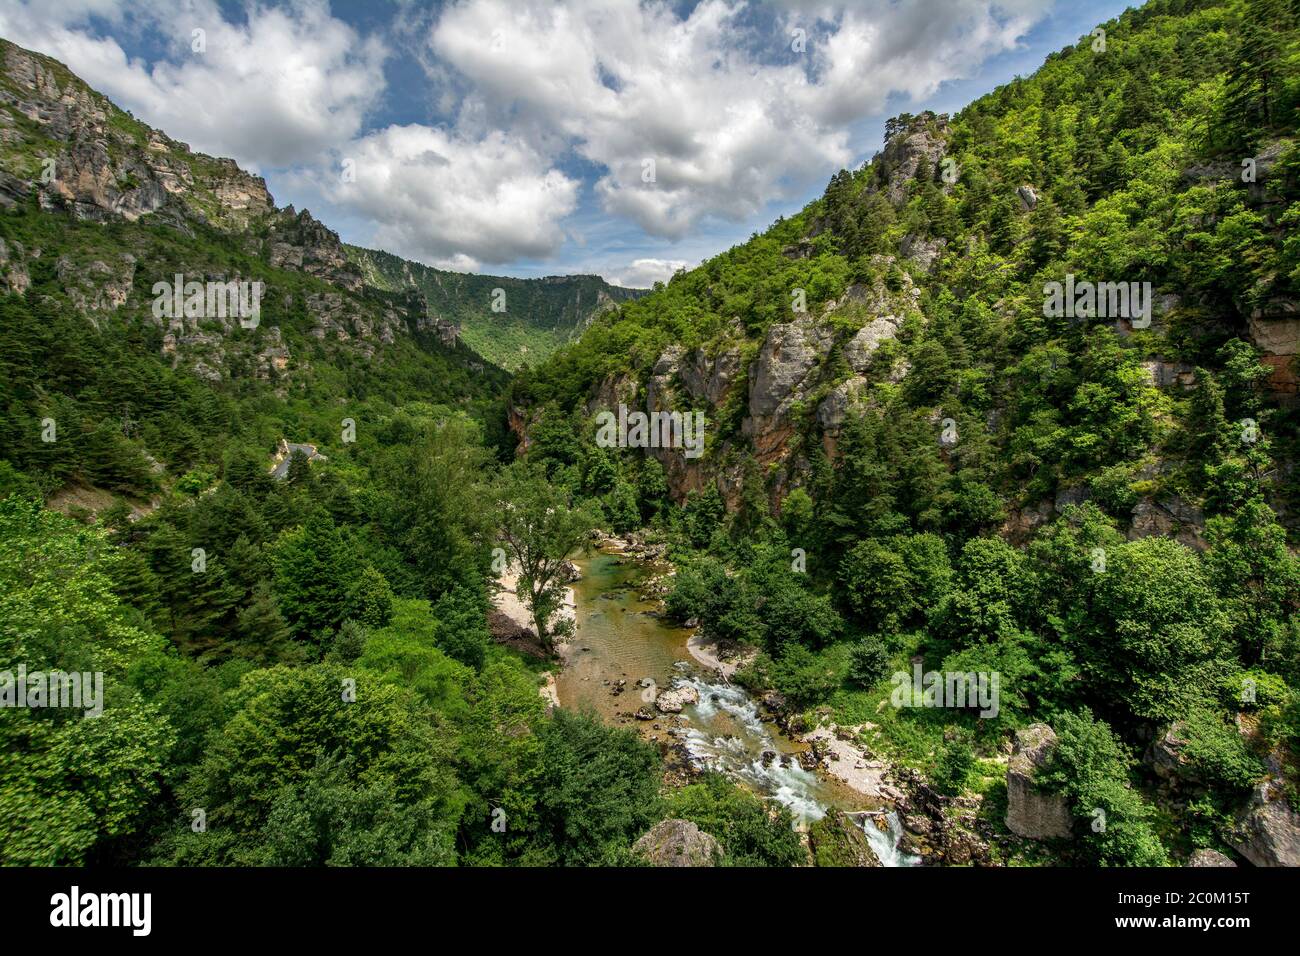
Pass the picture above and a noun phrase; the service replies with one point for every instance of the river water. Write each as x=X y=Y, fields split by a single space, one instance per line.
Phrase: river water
x=620 y=638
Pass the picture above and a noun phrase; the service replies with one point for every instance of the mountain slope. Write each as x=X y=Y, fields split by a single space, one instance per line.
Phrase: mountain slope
x=98 y=210
x=536 y=316
x=926 y=297
x=919 y=458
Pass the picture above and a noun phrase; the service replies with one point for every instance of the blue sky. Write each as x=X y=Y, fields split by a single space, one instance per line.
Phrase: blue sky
x=530 y=137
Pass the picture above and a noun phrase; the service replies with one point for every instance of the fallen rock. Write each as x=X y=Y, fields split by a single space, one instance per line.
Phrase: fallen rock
x=672 y=701
x=1267 y=830
x=836 y=840
x=1032 y=813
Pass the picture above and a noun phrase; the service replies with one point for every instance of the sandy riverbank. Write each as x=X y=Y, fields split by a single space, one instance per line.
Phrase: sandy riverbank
x=507 y=601
x=718 y=657
x=846 y=762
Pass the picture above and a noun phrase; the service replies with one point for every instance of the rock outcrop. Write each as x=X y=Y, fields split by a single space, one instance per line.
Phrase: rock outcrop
x=300 y=242
x=922 y=140
x=1275 y=329
x=110 y=166
x=678 y=843
x=1031 y=812
x=1267 y=830
x=778 y=378
x=836 y=840
x=13 y=267
x=1169 y=517
x=1165 y=753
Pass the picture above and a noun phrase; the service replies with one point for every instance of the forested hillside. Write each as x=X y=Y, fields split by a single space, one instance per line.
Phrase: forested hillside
x=1016 y=399
x=522 y=325
x=914 y=459
x=297 y=665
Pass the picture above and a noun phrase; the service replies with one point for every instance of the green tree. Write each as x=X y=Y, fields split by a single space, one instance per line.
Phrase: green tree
x=541 y=529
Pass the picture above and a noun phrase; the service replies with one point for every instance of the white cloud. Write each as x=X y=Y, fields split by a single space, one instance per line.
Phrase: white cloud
x=731 y=117
x=644 y=273
x=455 y=202
x=279 y=90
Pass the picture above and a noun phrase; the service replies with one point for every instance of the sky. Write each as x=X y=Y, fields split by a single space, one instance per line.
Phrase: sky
x=532 y=137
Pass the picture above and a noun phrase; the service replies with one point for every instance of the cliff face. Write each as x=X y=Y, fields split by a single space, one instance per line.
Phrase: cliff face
x=79 y=153
x=780 y=382
x=67 y=152
x=798 y=383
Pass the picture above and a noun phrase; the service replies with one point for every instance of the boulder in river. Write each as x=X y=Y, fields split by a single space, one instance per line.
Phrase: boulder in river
x=672 y=701
x=836 y=840
x=678 y=843
x=1031 y=812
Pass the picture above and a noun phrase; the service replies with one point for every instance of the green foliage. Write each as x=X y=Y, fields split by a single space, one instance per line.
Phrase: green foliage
x=955 y=764
x=804 y=678
x=1157 y=636
x=276 y=771
x=1216 y=753
x=751 y=833
x=71 y=784
x=599 y=789
x=1091 y=768
x=868 y=661
x=371 y=600
x=462 y=629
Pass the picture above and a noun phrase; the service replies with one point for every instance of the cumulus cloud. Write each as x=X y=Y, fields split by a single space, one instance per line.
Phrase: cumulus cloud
x=660 y=114
x=644 y=273
x=730 y=114
x=278 y=90
x=456 y=202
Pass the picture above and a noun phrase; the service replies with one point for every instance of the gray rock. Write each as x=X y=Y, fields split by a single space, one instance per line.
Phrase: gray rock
x=834 y=408
x=1170 y=517
x=1203 y=858
x=921 y=250
x=922 y=140
x=789 y=354
x=1267 y=830
x=672 y=701
x=707 y=379
x=1165 y=753
x=678 y=843
x=859 y=349
x=1073 y=495
x=1032 y=813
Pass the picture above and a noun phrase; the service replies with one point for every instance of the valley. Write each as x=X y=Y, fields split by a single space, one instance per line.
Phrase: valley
x=952 y=520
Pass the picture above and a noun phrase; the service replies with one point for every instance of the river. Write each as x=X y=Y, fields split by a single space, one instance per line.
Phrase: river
x=620 y=638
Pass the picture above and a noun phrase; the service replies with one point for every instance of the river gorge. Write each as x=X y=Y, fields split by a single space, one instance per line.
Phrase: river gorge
x=623 y=655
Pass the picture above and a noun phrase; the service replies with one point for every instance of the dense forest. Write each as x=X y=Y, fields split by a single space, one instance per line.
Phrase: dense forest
x=1099 y=509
